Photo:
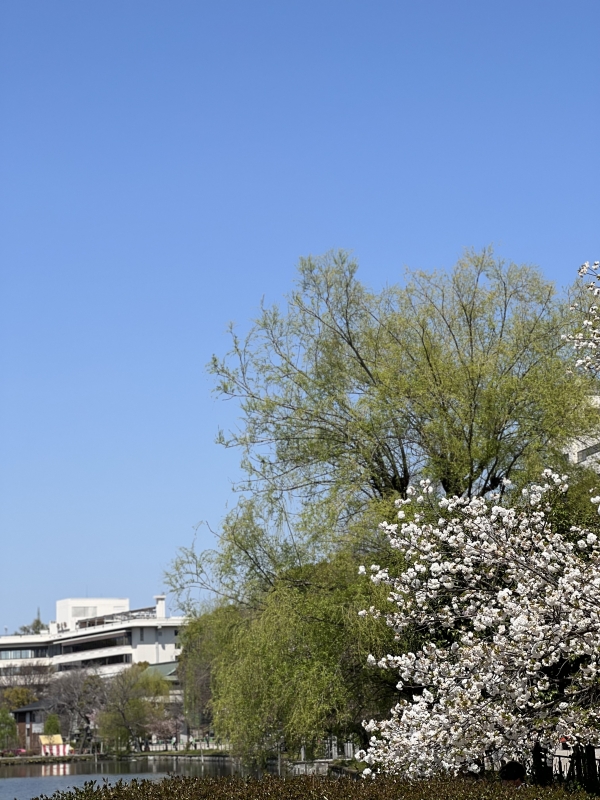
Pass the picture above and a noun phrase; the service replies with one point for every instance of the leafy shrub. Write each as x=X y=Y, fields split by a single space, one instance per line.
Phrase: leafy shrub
x=309 y=788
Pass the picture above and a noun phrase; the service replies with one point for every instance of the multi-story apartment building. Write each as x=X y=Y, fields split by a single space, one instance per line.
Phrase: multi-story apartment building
x=101 y=633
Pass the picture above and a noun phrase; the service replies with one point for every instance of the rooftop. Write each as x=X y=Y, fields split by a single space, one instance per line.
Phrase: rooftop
x=122 y=616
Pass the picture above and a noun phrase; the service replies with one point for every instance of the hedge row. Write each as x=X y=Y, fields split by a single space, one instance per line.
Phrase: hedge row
x=309 y=788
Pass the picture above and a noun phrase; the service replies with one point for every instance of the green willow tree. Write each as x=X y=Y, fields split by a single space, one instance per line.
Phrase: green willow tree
x=204 y=640
x=353 y=393
x=346 y=396
x=294 y=673
x=297 y=672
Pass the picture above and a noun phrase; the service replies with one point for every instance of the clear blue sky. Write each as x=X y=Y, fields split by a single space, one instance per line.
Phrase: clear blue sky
x=162 y=167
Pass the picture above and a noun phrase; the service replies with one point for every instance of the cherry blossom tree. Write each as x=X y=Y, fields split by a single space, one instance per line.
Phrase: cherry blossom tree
x=588 y=340
x=510 y=611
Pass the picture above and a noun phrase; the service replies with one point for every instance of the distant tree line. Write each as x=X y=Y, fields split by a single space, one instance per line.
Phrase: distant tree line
x=124 y=710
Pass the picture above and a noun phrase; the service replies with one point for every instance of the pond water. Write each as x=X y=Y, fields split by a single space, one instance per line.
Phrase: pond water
x=24 y=781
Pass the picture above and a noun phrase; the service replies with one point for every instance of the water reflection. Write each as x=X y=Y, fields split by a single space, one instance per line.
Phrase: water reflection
x=24 y=781
x=55 y=769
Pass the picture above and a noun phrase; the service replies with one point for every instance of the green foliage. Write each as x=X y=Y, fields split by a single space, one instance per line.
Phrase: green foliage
x=346 y=397
x=574 y=507
x=52 y=725
x=482 y=368
x=457 y=374
x=8 y=728
x=15 y=697
x=310 y=788
x=204 y=641
x=37 y=626
x=296 y=671
x=135 y=706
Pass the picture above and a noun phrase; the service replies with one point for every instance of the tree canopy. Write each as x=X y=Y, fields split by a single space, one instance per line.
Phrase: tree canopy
x=52 y=725
x=37 y=626
x=456 y=374
x=297 y=672
x=135 y=705
x=14 y=697
x=348 y=396
x=8 y=728
x=77 y=696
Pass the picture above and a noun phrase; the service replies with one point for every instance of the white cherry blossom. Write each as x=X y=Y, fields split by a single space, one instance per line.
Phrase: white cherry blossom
x=588 y=340
x=512 y=611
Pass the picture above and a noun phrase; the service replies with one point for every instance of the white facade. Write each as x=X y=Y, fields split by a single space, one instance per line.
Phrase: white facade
x=586 y=451
x=107 y=640
x=69 y=612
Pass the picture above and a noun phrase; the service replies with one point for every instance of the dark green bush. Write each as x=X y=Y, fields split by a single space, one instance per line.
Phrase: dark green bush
x=310 y=788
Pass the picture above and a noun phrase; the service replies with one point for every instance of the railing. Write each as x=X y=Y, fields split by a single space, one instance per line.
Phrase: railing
x=122 y=616
x=578 y=766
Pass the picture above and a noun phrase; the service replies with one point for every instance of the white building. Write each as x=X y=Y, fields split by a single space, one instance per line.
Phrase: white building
x=586 y=451
x=101 y=633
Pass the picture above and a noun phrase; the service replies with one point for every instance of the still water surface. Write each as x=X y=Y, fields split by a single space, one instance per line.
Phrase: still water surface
x=24 y=781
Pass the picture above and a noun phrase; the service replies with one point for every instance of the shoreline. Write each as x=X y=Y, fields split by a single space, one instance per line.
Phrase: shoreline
x=77 y=757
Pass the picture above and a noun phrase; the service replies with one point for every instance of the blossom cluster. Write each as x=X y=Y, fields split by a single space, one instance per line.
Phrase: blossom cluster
x=588 y=340
x=509 y=613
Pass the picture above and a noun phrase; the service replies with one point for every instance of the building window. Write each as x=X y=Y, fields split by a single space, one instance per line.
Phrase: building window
x=36 y=652
x=84 y=611
x=141 y=634
x=124 y=658
x=120 y=640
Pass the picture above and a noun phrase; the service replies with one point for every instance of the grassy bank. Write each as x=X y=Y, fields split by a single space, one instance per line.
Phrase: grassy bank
x=309 y=788
x=133 y=756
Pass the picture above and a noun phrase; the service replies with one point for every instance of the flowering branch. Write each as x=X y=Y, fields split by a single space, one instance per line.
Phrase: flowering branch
x=512 y=612
x=588 y=339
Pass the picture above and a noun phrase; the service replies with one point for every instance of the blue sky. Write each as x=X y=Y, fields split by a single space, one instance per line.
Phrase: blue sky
x=163 y=165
